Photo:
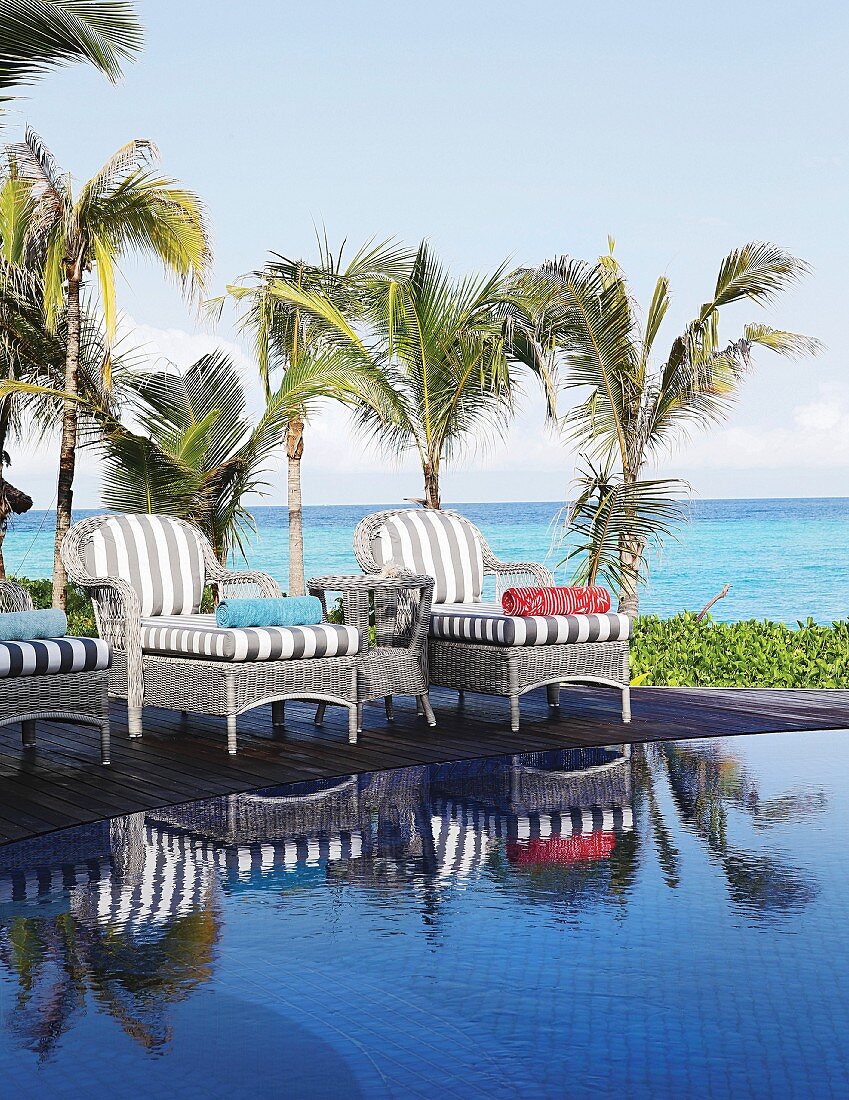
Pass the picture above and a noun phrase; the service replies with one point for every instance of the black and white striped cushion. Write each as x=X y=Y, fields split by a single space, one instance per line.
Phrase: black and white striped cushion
x=434 y=544
x=488 y=623
x=53 y=655
x=158 y=555
x=198 y=636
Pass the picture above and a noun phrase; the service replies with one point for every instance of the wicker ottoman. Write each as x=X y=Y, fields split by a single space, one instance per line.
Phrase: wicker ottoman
x=512 y=671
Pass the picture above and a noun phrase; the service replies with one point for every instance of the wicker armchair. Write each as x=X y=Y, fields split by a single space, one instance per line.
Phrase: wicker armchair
x=73 y=688
x=129 y=606
x=471 y=646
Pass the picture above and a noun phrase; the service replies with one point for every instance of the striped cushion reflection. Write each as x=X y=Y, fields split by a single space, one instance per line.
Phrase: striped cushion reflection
x=434 y=544
x=159 y=556
x=198 y=636
x=54 y=655
x=487 y=623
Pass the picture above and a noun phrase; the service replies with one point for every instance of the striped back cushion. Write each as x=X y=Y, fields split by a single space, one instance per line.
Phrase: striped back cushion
x=434 y=544
x=158 y=555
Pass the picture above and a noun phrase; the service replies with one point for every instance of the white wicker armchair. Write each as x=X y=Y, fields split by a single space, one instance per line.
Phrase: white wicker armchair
x=150 y=585
x=473 y=646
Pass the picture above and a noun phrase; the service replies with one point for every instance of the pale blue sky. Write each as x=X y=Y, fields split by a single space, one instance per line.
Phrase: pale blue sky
x=501 y=130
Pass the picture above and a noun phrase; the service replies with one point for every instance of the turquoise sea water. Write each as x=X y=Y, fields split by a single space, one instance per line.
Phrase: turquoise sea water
x=785 y=559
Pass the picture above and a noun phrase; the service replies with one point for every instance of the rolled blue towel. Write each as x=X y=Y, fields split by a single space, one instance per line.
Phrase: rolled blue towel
x=28 y=626
x=269 y=611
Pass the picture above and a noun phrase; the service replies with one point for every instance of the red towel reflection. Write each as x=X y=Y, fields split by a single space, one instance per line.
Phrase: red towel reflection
x=561 y=849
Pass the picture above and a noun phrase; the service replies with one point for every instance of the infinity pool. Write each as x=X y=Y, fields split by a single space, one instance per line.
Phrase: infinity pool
x=667 y=920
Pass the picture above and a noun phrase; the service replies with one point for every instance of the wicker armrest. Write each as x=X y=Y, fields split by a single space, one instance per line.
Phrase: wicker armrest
x=239 y=581
x=519 y=573
x=116 y=609
x=14 y=597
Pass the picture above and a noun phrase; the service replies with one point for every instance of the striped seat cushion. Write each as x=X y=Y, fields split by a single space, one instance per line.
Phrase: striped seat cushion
x=53 y=655
x=198 y=636
x=488 y=623
x=160 y=556
x=433 y=544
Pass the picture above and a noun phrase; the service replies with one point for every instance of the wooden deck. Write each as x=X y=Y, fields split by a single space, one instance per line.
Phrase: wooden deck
x=62 y=782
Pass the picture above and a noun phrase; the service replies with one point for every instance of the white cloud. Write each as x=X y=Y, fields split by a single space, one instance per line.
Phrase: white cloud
x=815 y=436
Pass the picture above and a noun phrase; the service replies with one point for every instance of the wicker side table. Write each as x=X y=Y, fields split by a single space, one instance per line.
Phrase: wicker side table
x=395 y=662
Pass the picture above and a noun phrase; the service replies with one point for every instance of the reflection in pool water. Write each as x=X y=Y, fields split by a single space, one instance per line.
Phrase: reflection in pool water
x=659 y=921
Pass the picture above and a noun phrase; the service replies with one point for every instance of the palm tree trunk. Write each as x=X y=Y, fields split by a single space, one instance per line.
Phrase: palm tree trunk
x=294 y=451
x=431 y=486
x=68 y=448
x=630 y=559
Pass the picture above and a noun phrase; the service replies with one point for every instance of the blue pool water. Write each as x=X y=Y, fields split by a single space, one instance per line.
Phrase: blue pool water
x=660 y=921
x=785 y=559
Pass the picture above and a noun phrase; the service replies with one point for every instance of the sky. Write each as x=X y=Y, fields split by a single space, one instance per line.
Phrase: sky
x=498 y=132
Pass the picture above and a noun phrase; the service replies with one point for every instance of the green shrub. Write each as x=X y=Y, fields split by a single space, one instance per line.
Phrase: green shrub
x=681 y=652
x=80 y=611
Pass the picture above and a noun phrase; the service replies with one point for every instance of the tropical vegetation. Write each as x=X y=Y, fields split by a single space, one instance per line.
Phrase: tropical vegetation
x=39 y=35
x=442 y=348
x=293 y=349
x=128 y=206
x=633 y=407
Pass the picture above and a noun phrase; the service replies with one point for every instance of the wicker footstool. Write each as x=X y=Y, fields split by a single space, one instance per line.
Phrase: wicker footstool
x=61 y=678
x=512 y=671
x=228 y=689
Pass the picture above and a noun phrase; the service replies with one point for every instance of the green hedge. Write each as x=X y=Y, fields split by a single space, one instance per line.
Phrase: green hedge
x=681 y=652
x=80 y=613
x=676 y=652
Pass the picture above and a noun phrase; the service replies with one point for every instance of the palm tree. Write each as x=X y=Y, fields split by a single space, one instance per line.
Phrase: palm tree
x=444 y=351
x=634 y=407
x=197 y=454
x=288 y=337
x=32 y=358
x=127 y=206
x=39 y=35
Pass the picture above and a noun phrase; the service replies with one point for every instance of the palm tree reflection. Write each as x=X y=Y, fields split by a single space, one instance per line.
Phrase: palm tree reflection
x=705 y=782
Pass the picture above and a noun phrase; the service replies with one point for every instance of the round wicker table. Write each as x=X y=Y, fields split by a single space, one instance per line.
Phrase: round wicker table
x=393 y=613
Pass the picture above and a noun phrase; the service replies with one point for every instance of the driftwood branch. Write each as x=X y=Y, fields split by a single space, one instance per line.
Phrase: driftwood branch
x=726 y=588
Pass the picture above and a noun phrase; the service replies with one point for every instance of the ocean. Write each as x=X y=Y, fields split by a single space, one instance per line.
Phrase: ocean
x=784 y=559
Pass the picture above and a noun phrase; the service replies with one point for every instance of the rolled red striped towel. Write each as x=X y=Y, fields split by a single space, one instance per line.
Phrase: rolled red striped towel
x=576 y=599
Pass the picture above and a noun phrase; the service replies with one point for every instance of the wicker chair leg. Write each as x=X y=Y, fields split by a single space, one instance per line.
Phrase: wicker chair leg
x=427 y=709
x=514 y=695
x=104 y=742
x=553 y=691
x=28 y=733
x=134 y=721
x=319 y=714
x=390 y=712
x=419 y=707
x=278 y=713
x=231 y=715
x=626 y=703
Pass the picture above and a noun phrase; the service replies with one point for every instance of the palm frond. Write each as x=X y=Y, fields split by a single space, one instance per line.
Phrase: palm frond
x=39 y=35
x=608 y=515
